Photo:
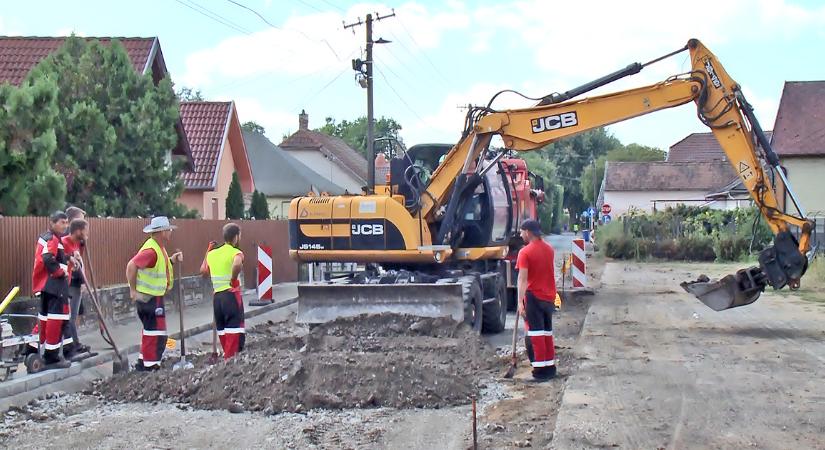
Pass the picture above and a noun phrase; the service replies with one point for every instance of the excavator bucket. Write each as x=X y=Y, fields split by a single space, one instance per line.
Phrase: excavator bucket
x=324 y=302
x=733 y=290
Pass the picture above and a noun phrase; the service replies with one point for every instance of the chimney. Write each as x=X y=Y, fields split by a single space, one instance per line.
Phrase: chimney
x=303 y=120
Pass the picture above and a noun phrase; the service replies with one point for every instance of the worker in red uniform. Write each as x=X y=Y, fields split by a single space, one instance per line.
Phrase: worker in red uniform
x=74 y=245
x=223 y=265
x=536 y=294
x=149 y=274
x=50 y=282
x=76 y=278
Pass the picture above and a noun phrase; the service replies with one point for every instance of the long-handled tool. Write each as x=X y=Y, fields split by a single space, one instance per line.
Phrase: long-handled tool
x=213 y=357
x=513 y=360
x=183 y=363
x=120 y=363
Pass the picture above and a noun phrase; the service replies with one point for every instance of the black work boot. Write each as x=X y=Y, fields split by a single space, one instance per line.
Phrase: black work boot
x=544 y=373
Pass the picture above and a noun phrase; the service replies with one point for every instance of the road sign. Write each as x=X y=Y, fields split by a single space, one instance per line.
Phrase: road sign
x=591 y=212
x=606 y=218
x=606 y=209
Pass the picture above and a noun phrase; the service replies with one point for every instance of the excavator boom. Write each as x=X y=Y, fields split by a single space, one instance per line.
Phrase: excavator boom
x=436 y=228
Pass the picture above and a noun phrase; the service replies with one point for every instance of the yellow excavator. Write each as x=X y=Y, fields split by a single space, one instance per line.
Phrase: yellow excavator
x=442 y=244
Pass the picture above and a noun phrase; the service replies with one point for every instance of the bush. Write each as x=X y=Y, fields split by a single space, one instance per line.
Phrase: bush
x=624 y=247
x=665 y=249
x=696 y=248
x=731 y=248
x=686 y=233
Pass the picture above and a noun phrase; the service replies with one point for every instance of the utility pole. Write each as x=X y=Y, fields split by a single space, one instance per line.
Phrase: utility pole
x=592 y=218
x=366 y=72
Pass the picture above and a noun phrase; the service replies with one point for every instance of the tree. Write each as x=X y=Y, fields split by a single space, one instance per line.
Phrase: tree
x=572 y=155
x=354 y=133
x=186 y=94
x=548 y=211
x=115 y=130
x=630 y=152
x=28 y=183
x=259 y=209
x=234 y=199
x=253 y=127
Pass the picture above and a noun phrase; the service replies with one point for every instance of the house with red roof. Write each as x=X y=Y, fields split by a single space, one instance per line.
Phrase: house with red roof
x=218 y=149
x=209 y=134
x=328 y=156
x=18 y=55
x=655 y=185
x=799 y=140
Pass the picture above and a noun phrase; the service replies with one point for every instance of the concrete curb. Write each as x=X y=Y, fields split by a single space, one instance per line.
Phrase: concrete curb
x=34 y=383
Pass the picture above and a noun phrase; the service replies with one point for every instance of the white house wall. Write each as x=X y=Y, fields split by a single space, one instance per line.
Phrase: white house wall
x=622 y=201
x=807 y=179
x=329 y=169
x=278 y=207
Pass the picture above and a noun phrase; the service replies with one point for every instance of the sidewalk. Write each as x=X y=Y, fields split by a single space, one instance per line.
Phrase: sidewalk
x=197 y=319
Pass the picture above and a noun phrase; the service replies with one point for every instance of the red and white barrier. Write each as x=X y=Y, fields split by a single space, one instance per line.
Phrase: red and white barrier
x=579 y=271
x=264 y=276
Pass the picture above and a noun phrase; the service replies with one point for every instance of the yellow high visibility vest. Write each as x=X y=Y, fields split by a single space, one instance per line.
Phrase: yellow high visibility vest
x=153 y=280
x=220 y=266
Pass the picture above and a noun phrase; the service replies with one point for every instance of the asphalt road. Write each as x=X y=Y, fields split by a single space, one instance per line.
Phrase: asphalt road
x=661 y=370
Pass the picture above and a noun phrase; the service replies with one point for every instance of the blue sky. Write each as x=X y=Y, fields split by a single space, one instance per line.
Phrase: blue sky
x=446 y=54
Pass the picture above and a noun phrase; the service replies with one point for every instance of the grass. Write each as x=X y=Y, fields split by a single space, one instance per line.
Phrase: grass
x=813 y=282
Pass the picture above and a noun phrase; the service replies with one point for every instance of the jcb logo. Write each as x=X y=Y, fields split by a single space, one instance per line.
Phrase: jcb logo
x=368 y=229
x=714 y=77
x=563 y=120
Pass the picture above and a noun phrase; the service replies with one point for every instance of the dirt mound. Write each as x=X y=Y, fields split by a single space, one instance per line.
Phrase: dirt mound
x=385 y=360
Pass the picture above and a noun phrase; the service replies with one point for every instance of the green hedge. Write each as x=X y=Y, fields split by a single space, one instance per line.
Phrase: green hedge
x=685 y=234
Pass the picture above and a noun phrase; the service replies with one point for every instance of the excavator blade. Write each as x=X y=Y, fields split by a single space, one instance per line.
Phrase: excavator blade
x=324 y=302
x=739 y=289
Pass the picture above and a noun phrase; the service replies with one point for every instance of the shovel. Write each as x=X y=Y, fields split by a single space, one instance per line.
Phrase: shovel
x=183 y=363
x=213 y=357
x=120 y=363
x=513 y=360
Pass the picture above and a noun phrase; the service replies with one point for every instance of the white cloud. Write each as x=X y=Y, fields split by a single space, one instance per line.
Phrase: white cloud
x=303 y=45
x=447 y=122
x=276 y=122
x=583 y=38
x=317 y=43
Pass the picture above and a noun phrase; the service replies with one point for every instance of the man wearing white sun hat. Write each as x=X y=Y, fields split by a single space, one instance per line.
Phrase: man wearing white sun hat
x=149 y=274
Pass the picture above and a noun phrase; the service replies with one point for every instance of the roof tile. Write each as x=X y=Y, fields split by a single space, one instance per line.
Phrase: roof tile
x=698 y=147
x=18 y=55
x=205 y=124
x=309 y=139
x=667 y=176
x=800 y=122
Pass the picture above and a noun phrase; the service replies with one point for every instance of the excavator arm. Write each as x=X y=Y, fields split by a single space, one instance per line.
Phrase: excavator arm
x=721 y=106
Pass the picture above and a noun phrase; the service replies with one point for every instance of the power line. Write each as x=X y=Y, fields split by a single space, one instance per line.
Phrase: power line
x=406 y=30
x=214 y=16
x=403 y=67
x=253 y=12
x=312 y=97
x=414 y=55
x=398 y=95
x=323 y=41
x=334 y=5
x=309 y=5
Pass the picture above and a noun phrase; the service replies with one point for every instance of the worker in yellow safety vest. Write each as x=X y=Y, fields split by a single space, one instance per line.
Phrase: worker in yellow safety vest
x=149 y=274
x=223 y=265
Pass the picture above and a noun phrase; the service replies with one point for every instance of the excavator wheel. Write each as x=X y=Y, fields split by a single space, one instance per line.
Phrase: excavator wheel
x=471 y=294
x=495 y=312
